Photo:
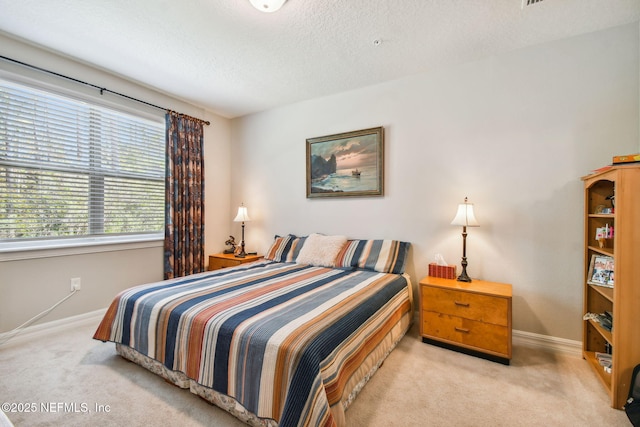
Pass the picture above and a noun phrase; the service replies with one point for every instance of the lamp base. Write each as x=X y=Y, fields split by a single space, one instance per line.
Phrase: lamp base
x=463 y=277
x=242 y=253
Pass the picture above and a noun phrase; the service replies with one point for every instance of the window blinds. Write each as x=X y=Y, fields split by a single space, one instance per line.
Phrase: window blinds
x=73 y=168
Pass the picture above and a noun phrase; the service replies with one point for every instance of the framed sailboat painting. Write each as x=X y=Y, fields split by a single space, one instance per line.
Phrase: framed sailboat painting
x=347 y=164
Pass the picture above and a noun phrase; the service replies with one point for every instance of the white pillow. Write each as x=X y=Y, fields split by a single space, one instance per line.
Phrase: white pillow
x=320 y=250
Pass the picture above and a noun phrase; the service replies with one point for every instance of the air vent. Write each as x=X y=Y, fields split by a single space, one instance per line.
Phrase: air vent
x=529 y=2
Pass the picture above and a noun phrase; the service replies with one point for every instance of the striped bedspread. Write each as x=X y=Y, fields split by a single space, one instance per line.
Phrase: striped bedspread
x=283 y=339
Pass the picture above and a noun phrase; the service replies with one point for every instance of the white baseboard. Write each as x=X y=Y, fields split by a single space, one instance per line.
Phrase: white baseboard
x=546 y=342
x=33 y=332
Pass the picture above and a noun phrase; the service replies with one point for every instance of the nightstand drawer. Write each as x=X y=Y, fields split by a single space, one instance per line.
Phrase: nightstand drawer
x=482 y=308
x=467 y=332
x=218 y=263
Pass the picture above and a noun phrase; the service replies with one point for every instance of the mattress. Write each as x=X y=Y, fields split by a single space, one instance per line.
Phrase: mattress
x=274 y=343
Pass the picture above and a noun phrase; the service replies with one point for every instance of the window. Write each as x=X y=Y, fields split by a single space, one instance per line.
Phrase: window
x=71 y=168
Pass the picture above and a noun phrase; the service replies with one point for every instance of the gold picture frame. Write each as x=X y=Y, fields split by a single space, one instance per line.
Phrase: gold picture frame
x=349 y=164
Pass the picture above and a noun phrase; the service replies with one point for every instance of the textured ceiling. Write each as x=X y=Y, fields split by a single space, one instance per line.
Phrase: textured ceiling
x=233 y=60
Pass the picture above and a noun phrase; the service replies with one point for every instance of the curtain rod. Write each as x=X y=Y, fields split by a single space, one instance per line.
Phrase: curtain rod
x=102 y=89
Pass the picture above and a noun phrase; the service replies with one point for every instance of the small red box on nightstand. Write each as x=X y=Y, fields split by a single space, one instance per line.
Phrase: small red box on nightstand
x=443 y=271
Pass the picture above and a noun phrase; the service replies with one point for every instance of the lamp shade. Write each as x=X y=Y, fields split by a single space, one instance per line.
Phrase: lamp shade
x=465 y=216
x=243 y=215
x=267 y=5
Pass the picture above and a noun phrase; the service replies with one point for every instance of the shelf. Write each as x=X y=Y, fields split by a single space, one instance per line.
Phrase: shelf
x=602 y=251
x=605 y=216
x=604 y=291
x=605 y=377
x=602 y=331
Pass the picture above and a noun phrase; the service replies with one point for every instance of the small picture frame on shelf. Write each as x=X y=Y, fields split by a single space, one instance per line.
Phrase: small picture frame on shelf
x=601 y=271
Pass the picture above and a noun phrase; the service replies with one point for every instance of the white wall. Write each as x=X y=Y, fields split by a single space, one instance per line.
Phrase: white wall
x=31 y=285
x=513 y=132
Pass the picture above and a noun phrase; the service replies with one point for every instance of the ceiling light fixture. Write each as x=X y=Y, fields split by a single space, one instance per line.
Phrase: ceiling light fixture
x=267 y=5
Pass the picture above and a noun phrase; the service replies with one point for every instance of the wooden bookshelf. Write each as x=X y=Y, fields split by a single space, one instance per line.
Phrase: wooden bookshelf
x=623 y=300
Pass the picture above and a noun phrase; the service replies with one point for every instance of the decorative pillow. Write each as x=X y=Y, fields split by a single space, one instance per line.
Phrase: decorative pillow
x=320 y=250
x=285 y=248
x=384 y=256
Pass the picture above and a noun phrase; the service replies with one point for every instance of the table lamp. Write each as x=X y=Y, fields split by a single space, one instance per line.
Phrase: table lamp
x=465 y=218
x=242 y=216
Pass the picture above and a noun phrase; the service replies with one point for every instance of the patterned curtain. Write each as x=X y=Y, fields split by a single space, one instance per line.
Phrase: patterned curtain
x=184 y=212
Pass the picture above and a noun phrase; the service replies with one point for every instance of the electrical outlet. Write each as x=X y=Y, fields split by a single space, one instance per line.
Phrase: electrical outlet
x=75 y=284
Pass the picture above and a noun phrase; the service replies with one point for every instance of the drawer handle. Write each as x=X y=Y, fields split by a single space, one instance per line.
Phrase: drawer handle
x=461 y=304
x=466 y=331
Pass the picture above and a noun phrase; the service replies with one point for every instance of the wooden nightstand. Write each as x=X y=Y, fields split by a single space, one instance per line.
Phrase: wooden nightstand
x=219 y=261
x=473 y=318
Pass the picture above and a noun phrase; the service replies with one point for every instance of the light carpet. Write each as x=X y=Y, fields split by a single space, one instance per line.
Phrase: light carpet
x=70 y=379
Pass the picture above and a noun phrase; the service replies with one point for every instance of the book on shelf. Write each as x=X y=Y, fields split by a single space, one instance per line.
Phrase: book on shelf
x=627 y=158
x=601 y=271
x=605 y=321
x=604 y=360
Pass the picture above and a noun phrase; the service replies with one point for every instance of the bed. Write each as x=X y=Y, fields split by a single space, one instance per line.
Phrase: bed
x=286 y=341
